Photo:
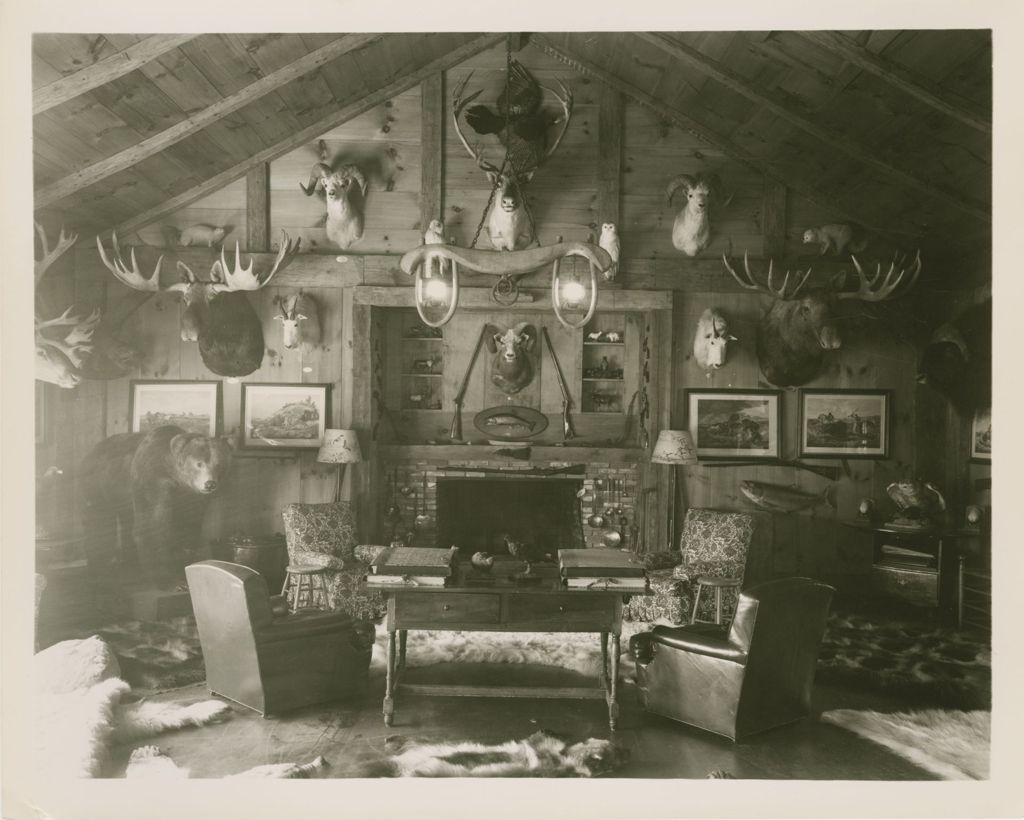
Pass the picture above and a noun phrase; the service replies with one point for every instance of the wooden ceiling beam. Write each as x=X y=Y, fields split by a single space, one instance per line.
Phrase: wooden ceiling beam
x=759 y=164
x=900 y=78
x=91 y=174
x=106 y=70
x=852 y=149
x=312 y=132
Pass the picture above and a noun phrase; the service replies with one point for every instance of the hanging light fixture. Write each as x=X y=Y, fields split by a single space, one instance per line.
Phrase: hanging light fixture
x=436 y=272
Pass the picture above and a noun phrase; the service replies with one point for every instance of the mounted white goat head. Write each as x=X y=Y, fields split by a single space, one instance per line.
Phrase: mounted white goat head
x=521 y=126
x=344 y=190
x=217 y=313
x=691 y=232
x=300 y=321
x=711 y=341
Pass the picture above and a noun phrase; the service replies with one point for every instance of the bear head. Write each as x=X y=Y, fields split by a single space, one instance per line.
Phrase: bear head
x=200 y=462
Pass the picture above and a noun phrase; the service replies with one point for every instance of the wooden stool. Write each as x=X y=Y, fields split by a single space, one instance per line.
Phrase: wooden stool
x=718 y=584
x=305 y=587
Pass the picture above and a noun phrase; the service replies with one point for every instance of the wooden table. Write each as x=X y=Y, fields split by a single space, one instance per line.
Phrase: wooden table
x=473 y=606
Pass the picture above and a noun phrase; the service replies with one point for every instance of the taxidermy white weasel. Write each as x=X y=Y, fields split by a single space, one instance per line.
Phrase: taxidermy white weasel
x=835 y=237
x=609 y=241
x=195 y=235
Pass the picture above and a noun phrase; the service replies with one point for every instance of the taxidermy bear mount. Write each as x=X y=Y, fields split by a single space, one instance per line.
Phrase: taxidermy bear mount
x=217 y=313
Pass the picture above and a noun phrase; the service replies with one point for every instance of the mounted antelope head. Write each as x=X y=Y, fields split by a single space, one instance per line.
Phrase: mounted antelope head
x=344 y=190
x=509 y=223
x=300 y=321
x=796 y=330
x=217 y=313
x=691 y=232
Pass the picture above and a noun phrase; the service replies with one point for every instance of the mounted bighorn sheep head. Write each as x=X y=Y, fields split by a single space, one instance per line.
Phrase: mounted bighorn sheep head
x=711 y=341
x=521 y=125
x=512 y=365
x=691 y=232
x=344 y=190
x=300 y=321
x=796 y=330
x=217 y=313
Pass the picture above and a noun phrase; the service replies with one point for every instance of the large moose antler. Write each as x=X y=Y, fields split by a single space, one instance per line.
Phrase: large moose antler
x=73 y=343
x=133 y=278
x=243 y=278
x=869 y=290
x=750 y=283
x=64 y=241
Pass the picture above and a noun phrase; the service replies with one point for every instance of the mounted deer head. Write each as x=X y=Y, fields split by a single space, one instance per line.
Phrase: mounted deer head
x=217 y=313
x=796 y=330
x=522 y=131
x=344 y=190
x=691 y=231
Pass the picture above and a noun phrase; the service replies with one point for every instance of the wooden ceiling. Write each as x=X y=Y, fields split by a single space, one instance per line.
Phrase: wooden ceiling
x=889 y=129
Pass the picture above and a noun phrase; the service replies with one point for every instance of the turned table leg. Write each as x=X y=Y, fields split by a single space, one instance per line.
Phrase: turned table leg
x=402 y=635
x=604 y=660
x=613 y=674
x=389 y=686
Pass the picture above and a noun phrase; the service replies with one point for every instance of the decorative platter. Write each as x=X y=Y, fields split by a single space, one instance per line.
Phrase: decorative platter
x=510 y=422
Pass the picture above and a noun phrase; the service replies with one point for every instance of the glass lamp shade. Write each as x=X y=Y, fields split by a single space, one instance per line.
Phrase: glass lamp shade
x=339 y=447
x=674 y=447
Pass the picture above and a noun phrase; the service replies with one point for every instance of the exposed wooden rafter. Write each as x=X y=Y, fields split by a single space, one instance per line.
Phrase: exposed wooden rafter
x=852 y=149
x=760 y=164
x=70 y=183
x=106 y=70
x=901 y=79
x=312 y=132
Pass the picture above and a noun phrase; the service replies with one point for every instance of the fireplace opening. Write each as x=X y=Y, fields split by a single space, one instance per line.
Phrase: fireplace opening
x=482 y=514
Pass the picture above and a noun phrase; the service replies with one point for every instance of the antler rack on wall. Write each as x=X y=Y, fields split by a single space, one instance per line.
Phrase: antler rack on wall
x=428 y=263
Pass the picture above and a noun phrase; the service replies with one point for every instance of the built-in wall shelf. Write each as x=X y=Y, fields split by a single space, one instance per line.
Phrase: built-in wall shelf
x=454 y=454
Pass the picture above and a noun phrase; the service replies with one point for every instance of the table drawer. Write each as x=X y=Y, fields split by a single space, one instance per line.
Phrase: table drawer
x=915 y=587
x=561 y=610
x=435 y=608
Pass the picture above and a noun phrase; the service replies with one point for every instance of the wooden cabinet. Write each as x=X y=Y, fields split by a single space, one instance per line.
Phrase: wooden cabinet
x=975 y=581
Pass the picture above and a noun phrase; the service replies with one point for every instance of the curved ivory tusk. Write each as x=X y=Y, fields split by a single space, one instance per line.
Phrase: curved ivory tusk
x=510 y=263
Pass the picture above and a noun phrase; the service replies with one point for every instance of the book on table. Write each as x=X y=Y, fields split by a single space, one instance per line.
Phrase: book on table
x=608 y=583
x=417 y=562
x=406 y=580
x=599 y=563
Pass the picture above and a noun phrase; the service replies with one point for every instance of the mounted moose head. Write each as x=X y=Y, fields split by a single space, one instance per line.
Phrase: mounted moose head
x=691 y=232
x=217 y=313
x=344 y=189
x=796 y=330
x=521 y=125
x=512 y=366
x=300 y=321
x=711 y=341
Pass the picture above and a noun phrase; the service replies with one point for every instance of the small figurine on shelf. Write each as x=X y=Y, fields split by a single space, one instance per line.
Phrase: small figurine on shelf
x=919 y=504
x=594 y=336
x=613 y=336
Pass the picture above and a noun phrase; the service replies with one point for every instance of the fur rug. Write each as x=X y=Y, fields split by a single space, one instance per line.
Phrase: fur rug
x=157 y=655
x=951 y=744
x=82 y=709
x=542 y=754
x=934 y=665
x=150 y=763
x=576 y=651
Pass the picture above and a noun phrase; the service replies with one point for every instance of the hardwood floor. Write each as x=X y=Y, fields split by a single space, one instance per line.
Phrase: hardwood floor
x=351 y=735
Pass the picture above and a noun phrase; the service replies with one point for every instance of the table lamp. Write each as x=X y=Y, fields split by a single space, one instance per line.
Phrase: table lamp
x=339 y=447
x=674 y=447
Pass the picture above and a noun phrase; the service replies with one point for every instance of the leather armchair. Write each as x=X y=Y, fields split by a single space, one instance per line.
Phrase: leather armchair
x=754 y=676
x=258 y=655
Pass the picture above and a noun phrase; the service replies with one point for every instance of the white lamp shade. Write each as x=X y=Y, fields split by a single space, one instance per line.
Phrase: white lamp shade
x=674 y=447
x=339 y=447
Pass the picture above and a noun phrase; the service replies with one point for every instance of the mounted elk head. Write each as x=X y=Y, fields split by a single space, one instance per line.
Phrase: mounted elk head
x=217 y=313
x=711 y=341
x=300 y=321
x=512 y=365
x=344 y=190
x=691 y=232
x=797 y=330
x=522 y=130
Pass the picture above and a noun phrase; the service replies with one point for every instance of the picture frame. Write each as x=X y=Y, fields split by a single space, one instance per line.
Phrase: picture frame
x=194 y=406
x=842 y=423
x=981 y=436
x=735 y=424
x=284 y=416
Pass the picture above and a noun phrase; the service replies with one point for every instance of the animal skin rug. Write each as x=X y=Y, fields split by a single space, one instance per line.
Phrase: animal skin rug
x=82 y=709
x=150 y=763
x=157 y=655
x=949 y=743
x=577 y=651
x=542 y=754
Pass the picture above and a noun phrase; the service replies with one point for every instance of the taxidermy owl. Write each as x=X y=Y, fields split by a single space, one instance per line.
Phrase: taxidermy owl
x=609 y=241
x=434 y=235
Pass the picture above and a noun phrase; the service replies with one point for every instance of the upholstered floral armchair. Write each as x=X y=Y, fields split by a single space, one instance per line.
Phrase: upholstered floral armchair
x=714 y=544
x=324 y=534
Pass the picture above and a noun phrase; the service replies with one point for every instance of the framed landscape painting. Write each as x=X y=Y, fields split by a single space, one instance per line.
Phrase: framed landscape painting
x=284 y=416
x=192 y=406
x=845 y=423
x=731 y=424
x=981 y=436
